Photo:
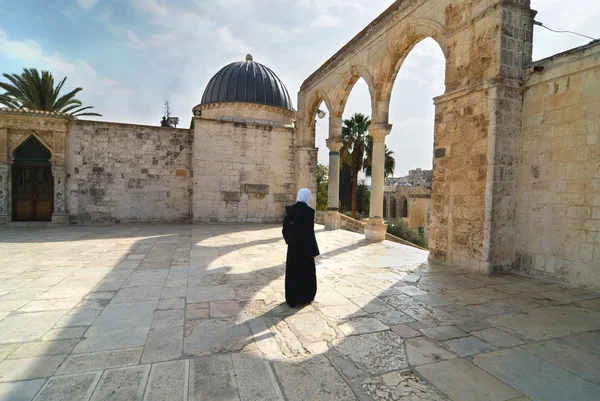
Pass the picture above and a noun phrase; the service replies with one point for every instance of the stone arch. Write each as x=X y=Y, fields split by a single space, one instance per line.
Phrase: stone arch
x=409 y=38
x=385 y=203
x=393 y=207
x=403 y=207
x=18 y=139
x=42 y=146
x=350 y=78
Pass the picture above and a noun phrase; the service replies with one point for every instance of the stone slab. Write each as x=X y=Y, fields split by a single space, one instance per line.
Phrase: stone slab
x=405 y=331
x=362 y=326
x=169 y=318
x=29 y=368
x=168 y=381
x=393 y=318
x=72 y=387
x=462 y=381
x=575 y=359
x=551 y=322
x=497 y=338
x=441 y=333
x=376 y=352
x=326 y=384
x=45 y=348
x=340 y=313
x=119 y=326
x=515 y=366
x=209 y=336
x=254 y=378
x=137 y=294
x=421 y=352
x=100 y=360
x=403 y=385
x=122 y=384
x=20 y=391
x=6 y=350
x=372 y=305
x=212 y=379
x=84 y=316
x=171 y=303
x=589 y=340
x=163 y=344
x=224 y=308
x=27 y=326
x=467 y=346
x=312 y=327
x=210 y=293
x=64 y=333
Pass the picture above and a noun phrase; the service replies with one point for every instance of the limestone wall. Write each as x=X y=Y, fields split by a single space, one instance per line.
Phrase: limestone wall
x=417 y=210
x=128 y=173
x=244 y=171
x=558 y=210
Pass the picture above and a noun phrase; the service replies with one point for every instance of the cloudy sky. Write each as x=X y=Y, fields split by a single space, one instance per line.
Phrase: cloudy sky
x=131 y=55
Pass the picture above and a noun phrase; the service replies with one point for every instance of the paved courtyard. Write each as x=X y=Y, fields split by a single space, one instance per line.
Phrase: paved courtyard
x=186 y=312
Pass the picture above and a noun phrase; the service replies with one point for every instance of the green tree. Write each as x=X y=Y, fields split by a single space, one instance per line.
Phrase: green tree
x=34 y=91
x=390 y=161
x=354 y=133
x=322 y=186
x=363 y=199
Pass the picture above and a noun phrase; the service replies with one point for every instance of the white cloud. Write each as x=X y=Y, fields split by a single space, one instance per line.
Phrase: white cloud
x=86 y=4
x=102 y=92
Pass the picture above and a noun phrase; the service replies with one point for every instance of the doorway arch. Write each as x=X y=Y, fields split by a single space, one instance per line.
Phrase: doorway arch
x=32 y=183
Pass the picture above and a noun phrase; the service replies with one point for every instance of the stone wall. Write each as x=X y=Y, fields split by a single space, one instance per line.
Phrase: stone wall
x=244 y=171
x=418 y=205
x=558 y=210
x=128 y=173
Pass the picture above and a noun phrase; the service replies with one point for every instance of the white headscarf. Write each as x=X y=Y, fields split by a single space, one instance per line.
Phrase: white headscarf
x=304 y=195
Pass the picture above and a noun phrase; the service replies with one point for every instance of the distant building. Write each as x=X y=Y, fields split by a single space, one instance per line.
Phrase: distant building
x=419 y=177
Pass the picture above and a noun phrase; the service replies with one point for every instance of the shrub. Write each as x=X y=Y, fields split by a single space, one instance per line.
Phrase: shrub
x=401 y=229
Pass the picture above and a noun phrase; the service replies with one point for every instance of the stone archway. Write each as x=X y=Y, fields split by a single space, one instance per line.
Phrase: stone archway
x=50 y=130
x=393 y=207
x=32 y=182
x=403 y=206
x=486 y=47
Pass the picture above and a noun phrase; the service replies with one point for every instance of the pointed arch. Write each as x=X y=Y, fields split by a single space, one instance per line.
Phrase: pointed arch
x=391 y=65
x=350 y=79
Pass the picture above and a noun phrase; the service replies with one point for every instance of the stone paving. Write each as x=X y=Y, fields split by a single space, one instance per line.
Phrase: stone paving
x=195 y=313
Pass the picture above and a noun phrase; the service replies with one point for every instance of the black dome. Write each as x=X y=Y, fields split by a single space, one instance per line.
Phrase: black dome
x=249 y=82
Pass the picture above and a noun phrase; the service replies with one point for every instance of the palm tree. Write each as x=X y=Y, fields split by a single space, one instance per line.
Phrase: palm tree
x=390 y=162
x=34 y=91
x=354 y=134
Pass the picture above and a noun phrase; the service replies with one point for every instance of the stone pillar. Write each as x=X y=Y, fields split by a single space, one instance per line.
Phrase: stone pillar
x=60 y=205
x=4 y=177
x=4 y=180
x=375 y=229
x=332 y=220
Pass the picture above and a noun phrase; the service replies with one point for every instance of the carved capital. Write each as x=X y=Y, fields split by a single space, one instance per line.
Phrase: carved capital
x=379 y=131
x=335 y=143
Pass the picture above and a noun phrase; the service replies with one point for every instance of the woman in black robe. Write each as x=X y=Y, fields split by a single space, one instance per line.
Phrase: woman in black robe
x=299 y=230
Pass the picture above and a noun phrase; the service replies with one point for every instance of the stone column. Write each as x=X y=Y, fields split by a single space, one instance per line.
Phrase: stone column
x=60 y=205
x=332 y=220
x=4 y=176
x=4 y=180
x=375 y=229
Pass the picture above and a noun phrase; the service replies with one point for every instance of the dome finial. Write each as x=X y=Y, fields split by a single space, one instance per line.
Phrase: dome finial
x=249 y=57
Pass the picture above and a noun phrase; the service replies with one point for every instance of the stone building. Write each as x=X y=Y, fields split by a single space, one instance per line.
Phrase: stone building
x=234 y=164
x=516 y=158
x=516 y=162
x=410 y=204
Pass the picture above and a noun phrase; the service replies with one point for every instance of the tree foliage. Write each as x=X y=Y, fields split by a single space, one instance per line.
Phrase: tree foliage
x=354 y=134
x=390 y=161
x=34 y=91
x=322 y=187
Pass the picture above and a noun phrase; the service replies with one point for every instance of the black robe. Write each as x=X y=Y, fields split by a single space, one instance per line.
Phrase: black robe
x=300 y=273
